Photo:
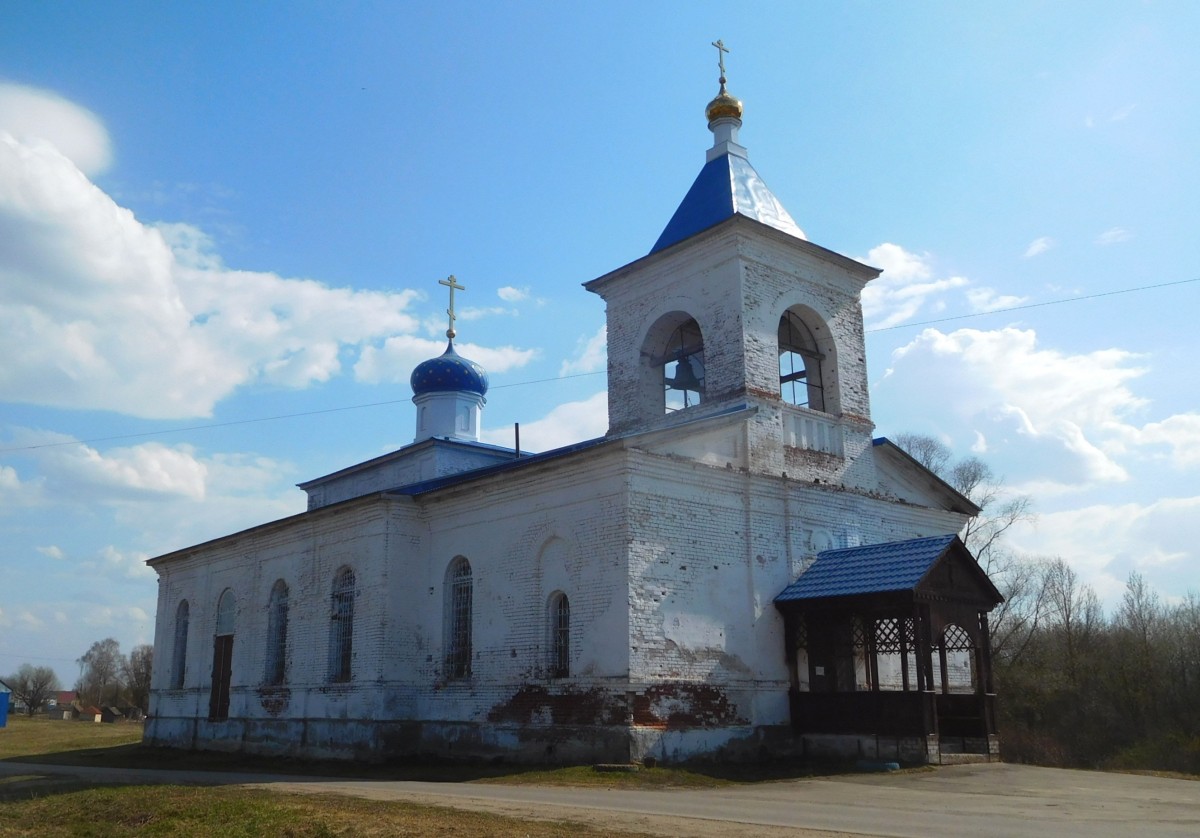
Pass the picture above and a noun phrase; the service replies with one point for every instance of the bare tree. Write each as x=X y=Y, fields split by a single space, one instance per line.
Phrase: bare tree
x=1076 y=610
x=137 y=674
x=1015 y=620
x=34 y=685
x=928 y=451
x=101 y=665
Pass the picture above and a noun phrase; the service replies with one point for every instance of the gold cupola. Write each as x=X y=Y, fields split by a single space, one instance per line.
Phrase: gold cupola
x=724 y=106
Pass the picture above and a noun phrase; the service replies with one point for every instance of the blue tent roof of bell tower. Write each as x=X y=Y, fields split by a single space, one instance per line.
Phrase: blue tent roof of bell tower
x=727 y=185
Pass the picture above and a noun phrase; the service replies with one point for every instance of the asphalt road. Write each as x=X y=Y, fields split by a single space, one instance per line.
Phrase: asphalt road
x=968 y=800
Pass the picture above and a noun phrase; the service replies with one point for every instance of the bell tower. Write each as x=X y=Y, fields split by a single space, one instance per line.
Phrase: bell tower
x=734 y=308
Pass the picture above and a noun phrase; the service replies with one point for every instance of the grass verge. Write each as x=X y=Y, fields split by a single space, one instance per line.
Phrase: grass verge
x=108 y=812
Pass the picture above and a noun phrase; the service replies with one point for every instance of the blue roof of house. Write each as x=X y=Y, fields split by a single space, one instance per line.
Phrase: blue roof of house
x=727 y=185
x=873 y=569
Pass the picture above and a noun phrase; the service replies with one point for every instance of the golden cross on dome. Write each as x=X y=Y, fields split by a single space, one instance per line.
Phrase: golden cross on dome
x=451 y=283
x=721 y=50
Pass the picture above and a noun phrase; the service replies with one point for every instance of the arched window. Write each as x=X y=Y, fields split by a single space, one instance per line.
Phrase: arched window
x=956 y=654
x=683 y=367
x=222 y=668
x=458 y=619
x=800 y=380
x=179 y=653
x=341 y=626
x=560 y=636
x=277 y=629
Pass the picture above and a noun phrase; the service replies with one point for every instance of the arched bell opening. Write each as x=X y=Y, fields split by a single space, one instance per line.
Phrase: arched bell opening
x=807 y=361
x=673 y=375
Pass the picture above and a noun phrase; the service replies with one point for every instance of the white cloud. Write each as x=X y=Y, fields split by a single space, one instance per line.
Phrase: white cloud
x=52 y=552
x=988 y=299
x=565 y=424
x=979 y=446
x=1113 y=235
x=513 y=295
x=468 y=314
x=1121 y=114
x=123 y=616
x=394 y=361
x=591 y=354
x=23 y=619
x=129 y=565
x=1105 y=542
x=9 y=480
x=902 y=289
x=78 y=471
x=100 y=311
x=1180 y=433
x=1038 y=246
x=1066 y=405
x=34 y=117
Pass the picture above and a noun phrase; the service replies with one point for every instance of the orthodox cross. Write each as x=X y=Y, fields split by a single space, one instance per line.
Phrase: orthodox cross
x=451 y=283
x=721 y=50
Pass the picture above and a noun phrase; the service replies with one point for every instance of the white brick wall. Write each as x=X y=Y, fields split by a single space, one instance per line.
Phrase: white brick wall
x=670 y=566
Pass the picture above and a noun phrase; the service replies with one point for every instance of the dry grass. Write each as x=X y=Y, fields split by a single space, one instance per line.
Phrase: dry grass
x=235 y=812
x=39 y=736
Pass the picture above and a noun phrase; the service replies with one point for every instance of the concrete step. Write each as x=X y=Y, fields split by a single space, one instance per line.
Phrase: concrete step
x=964 y=759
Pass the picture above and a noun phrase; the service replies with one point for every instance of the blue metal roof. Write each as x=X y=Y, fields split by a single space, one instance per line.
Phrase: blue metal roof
x=449 y=372
x=872 y=569
x=726 y=186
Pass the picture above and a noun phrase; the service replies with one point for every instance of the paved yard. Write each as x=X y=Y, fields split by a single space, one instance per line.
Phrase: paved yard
x=968 y=800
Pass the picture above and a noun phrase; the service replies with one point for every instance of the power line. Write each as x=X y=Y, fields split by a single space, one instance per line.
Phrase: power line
x=1034 y=305
x=234 y=422
x=302 y=414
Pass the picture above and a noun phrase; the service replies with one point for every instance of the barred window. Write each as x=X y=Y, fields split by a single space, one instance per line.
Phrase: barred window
x=560 y=636
x=277 y=629
x=341 y=626
x=179 y=656
x=458 y=619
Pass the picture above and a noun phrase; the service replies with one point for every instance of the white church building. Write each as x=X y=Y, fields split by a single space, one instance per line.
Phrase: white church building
x=736 y=569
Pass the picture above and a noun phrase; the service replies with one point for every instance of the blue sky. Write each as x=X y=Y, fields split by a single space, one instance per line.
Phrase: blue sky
x=213 y=215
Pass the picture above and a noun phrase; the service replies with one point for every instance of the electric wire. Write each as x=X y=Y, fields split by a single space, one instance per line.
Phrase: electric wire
x=301 y=414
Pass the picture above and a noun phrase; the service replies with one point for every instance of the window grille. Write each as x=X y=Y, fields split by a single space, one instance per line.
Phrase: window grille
x=458 y=646
x=560 y=637
x=179 y=658
x=800 y=381
x=801 y=633
x=341 y=626
x=858 y=634
x=277 y=627
x=887 y=637
x=956 y=639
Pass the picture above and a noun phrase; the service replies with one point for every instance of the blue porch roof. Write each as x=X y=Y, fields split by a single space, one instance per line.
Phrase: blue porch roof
x=872 y=569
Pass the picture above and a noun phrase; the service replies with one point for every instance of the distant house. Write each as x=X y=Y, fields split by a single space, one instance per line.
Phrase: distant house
x=89 y=713
x=62 y=706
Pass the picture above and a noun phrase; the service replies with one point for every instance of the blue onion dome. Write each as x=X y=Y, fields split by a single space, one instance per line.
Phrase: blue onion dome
x=448 y=373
